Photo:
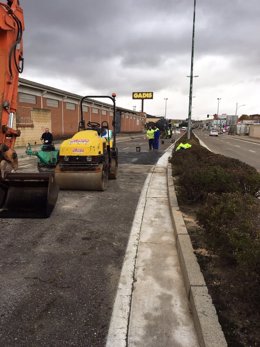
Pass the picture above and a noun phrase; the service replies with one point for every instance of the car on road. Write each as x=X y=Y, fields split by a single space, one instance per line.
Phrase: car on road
x=213 y=132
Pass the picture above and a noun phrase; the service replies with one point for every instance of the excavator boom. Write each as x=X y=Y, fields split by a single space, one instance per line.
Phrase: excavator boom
x=21 y=195
x=11 y=64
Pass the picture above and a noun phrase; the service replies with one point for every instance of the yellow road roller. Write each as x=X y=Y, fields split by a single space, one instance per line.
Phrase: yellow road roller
x=88 y=159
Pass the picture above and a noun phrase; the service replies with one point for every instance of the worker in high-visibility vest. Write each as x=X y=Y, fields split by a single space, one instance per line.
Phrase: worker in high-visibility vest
x=183 y=146
x=150 y=136
x=156 y=137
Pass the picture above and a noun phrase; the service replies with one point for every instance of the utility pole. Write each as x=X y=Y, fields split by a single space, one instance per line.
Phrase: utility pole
x=218 y=105
x=165 y=111
x=191 y=70
x=237 y=107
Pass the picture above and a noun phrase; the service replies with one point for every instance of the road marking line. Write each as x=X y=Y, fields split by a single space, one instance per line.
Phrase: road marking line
x=246 y=140
x=250 y=150
x=118 y=327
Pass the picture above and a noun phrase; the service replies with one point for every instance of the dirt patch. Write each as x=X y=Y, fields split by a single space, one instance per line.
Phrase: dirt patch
x=238 y=312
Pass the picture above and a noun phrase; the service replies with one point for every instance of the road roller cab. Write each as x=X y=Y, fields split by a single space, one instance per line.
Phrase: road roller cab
x=89 y=158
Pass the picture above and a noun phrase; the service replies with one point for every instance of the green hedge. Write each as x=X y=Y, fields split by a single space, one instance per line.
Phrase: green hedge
x=202 y=172
x=232 y=225
x=224 y=191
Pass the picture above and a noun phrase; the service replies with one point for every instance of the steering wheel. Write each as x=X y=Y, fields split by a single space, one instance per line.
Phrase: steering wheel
x=93 y=125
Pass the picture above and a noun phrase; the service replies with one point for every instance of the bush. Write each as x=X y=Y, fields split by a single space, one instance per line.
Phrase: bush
x=191 y=158
x=198 y=183
x=201 y=172
x=232 y=227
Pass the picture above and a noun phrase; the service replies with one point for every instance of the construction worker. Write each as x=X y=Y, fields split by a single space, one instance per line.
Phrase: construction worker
x=150 y=136
x=47 y=137
x=47 y=140
x=156 y=137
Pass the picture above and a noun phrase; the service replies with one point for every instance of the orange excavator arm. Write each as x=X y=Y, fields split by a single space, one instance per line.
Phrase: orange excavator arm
x=22 y=195
x=11 y=64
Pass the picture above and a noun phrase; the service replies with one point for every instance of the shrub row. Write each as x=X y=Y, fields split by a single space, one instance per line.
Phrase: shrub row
x=202 y=172
x=225 y=189
x=231 y=221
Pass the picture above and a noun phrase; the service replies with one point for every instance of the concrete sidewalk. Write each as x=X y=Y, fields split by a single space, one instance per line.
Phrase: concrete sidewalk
x=162 y=299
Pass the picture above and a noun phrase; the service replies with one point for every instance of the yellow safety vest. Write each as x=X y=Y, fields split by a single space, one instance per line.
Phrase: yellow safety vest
x=183 y=145
x=150 y=134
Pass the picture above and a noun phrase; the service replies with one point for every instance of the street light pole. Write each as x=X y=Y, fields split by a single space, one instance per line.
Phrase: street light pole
x=218 y=105
x=165 y=111
x=191 y=70
x=237 y=107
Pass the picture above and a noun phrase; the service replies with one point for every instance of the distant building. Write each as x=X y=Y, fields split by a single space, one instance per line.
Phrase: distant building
x=231 y=120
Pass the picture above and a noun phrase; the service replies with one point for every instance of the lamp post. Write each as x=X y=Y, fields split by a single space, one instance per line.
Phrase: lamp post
x=165 y=110
x=237 y=107
x=218 y=105
x=191 y=70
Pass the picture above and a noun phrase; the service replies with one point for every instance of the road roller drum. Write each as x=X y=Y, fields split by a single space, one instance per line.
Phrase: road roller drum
x=82 y=180
x=28 y=195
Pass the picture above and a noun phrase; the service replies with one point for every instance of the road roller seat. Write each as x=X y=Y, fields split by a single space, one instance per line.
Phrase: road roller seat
x=94 y=126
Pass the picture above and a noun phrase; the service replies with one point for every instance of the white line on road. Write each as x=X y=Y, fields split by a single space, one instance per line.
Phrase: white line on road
x=250 y=150
x=237 y=146
x=245 y=140
x=119 y=321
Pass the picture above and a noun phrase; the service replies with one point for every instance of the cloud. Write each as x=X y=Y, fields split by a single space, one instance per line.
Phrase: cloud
x=111 y=45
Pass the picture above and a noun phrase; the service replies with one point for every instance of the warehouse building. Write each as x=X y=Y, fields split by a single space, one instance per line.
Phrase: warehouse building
x=41 y=106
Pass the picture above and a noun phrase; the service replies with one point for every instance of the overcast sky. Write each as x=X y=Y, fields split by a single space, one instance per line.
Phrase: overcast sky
x=102 y=46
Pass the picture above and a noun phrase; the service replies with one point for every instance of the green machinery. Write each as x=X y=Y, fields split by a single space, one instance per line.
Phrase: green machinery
x=47 y=157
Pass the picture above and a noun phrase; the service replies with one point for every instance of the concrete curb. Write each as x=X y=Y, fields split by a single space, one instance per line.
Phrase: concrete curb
x=205 y=317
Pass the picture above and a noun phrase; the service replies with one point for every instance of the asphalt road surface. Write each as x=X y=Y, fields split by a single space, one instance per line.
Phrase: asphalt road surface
x=59 y=275
x=238 y=147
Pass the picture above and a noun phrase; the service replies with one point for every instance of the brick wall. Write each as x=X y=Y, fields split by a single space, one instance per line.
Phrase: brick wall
x=71 y=120
x=56 y=117
x=62 y=121
x=31 y=133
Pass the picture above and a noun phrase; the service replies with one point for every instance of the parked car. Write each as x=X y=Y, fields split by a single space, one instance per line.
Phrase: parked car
x=213 y=132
